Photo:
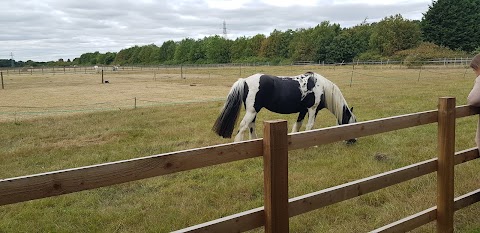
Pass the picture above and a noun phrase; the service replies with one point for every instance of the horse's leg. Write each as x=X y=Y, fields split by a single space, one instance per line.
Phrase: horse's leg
x=247 y=119
x=311 y=117
x=251 y=126
x=298 y=123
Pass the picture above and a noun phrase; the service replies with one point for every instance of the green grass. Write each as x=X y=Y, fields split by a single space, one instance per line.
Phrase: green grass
x=176 y=201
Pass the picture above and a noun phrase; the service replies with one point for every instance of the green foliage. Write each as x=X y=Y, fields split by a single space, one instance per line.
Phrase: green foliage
x=360 y=36
x=453 y=24
x=217 y=49
x=255 y=44
x=476 y=51
x=251 y=60
x=6 y=62
x=167 y=51
x=107 y=58
x=240 y=48
x=183 y=50
x=96 y=58
x=322 y=37
x=414 y=58
x=341 y=49
x=371 y=55
x=276 y=45
x=393 y=34
x=301 y=46
x=426 y=51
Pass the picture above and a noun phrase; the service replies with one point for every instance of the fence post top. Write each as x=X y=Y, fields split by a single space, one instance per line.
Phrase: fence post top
x=447 y=97
x=274 y=121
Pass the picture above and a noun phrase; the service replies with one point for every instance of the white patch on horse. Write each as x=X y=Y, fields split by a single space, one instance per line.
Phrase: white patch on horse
x=303 y=84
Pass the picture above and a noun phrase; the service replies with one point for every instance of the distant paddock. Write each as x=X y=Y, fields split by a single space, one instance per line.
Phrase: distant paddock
x=37 y=92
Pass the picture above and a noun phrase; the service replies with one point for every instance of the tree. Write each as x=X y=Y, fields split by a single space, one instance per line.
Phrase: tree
x=167 y=51
x=107 y=58
x=360 y=38
x=255 y=44
x=197 y=52
x=147 y=54
x=341 y=48
x=301 y=47
x=276 y=45
x=89 y=58
x=393 y=34
x=124 y=55
x=183 y=49
x=239 y=49
x=322 y=35
x=217 y=49
x=453 y=23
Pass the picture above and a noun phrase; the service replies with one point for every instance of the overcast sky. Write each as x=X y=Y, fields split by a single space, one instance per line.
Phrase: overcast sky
x=46 y=30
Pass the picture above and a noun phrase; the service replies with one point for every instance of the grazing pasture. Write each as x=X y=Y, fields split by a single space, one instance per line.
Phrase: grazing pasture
x=60 y=121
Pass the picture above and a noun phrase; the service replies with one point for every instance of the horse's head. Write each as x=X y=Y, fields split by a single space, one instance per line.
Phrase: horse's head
x=348 y=118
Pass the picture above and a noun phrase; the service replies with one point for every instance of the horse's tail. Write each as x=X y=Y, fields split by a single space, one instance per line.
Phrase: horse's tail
x=228 y=116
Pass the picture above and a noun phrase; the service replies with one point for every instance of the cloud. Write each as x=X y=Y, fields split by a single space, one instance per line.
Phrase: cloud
x=52 y=29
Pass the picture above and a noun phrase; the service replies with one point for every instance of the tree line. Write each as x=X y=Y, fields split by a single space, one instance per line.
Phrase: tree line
x=327 y=42
x=448 y=29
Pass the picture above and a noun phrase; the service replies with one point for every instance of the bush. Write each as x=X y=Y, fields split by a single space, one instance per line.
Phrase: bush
x=251 y=60
x=477 y=51
x=413 y=61
x=426 y=51
x=370 y=56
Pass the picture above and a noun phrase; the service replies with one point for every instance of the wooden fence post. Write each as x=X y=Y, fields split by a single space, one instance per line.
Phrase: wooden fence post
x=275 y=164
x=446 y=163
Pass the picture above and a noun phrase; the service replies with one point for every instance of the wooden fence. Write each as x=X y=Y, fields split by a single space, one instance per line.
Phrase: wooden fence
x=274 y=148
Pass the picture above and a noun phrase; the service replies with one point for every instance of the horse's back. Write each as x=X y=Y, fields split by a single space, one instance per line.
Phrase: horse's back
x=278 y=94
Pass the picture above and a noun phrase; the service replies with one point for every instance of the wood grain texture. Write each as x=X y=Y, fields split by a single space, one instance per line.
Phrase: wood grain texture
x=419 y=219
x=409 y=223
x=360 y=129
x=31 y=187
x=329 y=196
x=467 y=199
x=240 y=222
x=275 y=169
x=250 y=219
x=466 y=110
x=446 y=164
x=366 y=128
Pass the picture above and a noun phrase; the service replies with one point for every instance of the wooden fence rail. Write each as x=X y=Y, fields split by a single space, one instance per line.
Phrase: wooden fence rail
x=19 y=189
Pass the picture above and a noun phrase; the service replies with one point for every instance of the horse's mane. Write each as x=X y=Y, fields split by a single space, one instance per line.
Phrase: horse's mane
x=334 y=100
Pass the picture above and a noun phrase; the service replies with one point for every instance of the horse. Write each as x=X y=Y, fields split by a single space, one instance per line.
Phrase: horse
x=306 y=93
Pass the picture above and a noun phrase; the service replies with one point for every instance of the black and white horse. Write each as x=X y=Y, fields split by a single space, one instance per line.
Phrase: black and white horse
x=305 y=93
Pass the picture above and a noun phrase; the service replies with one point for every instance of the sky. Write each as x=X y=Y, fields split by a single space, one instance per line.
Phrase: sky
x=48 y=30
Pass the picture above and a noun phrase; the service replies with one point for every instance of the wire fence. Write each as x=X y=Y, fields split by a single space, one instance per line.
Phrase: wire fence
x=20 y=112
x=344 y=76
x=181 y=69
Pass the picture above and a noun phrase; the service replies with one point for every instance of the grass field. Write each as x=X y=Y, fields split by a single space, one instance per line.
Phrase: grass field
x=51 y=122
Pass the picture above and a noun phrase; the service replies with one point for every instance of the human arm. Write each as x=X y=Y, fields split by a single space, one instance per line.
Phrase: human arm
x=474 y=96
